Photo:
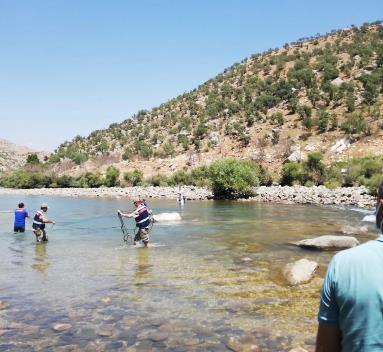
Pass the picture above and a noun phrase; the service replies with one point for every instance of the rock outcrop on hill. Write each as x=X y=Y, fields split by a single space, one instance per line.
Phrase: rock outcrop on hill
x=14 y=156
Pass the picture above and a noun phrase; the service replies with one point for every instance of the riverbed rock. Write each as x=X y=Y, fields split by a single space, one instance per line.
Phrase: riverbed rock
x=106 y=300
x=167 y=217
x=59 y=327
x=354 y=230
x=3 y=305
x=300 y=271
x=158 y=336
x=329 y=242
x=245 y=344
x=105 y=332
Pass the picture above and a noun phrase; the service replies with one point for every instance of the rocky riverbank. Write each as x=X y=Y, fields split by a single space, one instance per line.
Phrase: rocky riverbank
x=350 y=196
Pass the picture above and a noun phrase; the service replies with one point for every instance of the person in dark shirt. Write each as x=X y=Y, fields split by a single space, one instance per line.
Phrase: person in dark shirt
x=142 y=218
x=20 y=215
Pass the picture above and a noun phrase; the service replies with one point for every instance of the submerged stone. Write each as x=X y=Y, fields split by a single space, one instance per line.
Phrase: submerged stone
x=300 y=271
x=158 y=336
x=245 y=344
x=328 y=242
x=104 y=332
x=59 y=327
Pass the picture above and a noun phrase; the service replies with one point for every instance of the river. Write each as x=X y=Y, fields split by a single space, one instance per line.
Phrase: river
x=206 y=283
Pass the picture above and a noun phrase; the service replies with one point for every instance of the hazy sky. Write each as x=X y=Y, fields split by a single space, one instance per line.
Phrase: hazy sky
x=68 y=67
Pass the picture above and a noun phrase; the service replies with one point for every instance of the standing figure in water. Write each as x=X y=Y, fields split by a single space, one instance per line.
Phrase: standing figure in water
x=20 y=215
x=142 y=217
x=39 y=222
x=181 y=198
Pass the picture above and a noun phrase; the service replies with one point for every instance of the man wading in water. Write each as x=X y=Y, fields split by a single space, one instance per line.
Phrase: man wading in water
x=142 y=217
x=39 y=222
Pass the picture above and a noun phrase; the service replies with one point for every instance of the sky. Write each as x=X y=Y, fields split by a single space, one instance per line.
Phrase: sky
x=68 y=67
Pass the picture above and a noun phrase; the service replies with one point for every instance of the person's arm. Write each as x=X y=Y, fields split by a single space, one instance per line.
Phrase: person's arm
x=45 y=220
x=328 y=338
x=126 y=215
x=329 y=335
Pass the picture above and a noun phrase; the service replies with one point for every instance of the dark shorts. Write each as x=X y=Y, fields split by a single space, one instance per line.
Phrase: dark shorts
x=142 y=235
x=18 y=229
x=41 y=235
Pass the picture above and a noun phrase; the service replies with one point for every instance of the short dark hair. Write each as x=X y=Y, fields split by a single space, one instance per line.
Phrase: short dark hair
x=21 y=205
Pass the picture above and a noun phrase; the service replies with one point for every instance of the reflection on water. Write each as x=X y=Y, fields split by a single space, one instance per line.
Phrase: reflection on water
x=206 y=284
x=41 y=262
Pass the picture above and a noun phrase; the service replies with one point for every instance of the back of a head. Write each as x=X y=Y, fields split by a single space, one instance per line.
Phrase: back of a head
x=21 y=205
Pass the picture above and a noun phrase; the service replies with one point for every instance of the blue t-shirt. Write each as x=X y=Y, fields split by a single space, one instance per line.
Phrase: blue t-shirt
x=20 y=215
x=352 y=296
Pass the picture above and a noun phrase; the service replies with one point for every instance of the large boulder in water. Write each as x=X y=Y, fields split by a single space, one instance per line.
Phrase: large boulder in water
x=300 y=271
x=351 y=230
x=328 y=242
x=167 y=217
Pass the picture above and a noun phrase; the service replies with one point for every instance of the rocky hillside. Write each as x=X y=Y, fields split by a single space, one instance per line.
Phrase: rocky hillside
x=14 y=156
x=322 y=93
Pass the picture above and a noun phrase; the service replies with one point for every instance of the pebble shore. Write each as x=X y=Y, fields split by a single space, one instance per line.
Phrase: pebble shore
x=320 y=195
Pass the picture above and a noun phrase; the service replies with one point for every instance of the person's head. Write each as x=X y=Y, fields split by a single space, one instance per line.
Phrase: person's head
x=21 y=205
x=44 y=207
x=137 y=202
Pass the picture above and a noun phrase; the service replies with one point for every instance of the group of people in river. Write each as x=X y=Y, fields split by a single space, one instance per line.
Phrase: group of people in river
x=142 y=216
x=39 y=221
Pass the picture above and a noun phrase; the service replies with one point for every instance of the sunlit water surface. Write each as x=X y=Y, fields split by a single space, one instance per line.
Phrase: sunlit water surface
x=214 y=276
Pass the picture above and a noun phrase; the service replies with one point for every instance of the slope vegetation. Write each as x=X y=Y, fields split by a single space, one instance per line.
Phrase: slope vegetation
x=322 y=93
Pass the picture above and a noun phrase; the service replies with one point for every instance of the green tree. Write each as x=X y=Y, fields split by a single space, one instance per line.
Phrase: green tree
x=232 y=178
x=33 y=159
x=134 y=178
x=292 y=172
x=111 y=176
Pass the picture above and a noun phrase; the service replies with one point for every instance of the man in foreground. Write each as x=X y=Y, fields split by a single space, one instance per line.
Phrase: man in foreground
x=20 y=215
x=39 y=222
x=351 y=306
x=142 y=217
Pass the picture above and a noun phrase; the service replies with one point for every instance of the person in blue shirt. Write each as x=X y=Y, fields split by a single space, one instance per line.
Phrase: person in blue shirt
x=351 y=304
x=20 y=215
x=142 y=218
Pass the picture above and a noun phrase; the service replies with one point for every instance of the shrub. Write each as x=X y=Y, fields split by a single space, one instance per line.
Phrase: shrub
x=111 y=176
x=292 y=172
x=180 y=177
x=355 y=124
x=232 y=178
x=313 y=169
x=323 y=119
x=158 y=180
x=134 y=178
x=33 y=159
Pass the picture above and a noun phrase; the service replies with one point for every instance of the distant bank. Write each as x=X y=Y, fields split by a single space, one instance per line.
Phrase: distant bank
x=319 y=195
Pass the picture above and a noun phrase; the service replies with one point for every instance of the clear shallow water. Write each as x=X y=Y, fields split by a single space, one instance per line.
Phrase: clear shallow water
x=213 y=276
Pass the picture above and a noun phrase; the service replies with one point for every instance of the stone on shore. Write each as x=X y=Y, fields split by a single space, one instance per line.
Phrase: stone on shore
x=328 y=242
x=300 y=271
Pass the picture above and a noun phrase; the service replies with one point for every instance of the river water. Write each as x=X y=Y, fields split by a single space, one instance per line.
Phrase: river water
x=206 y=283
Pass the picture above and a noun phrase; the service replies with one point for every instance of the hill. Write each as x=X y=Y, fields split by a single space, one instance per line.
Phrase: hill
x=322 y=93
x=14 y=156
